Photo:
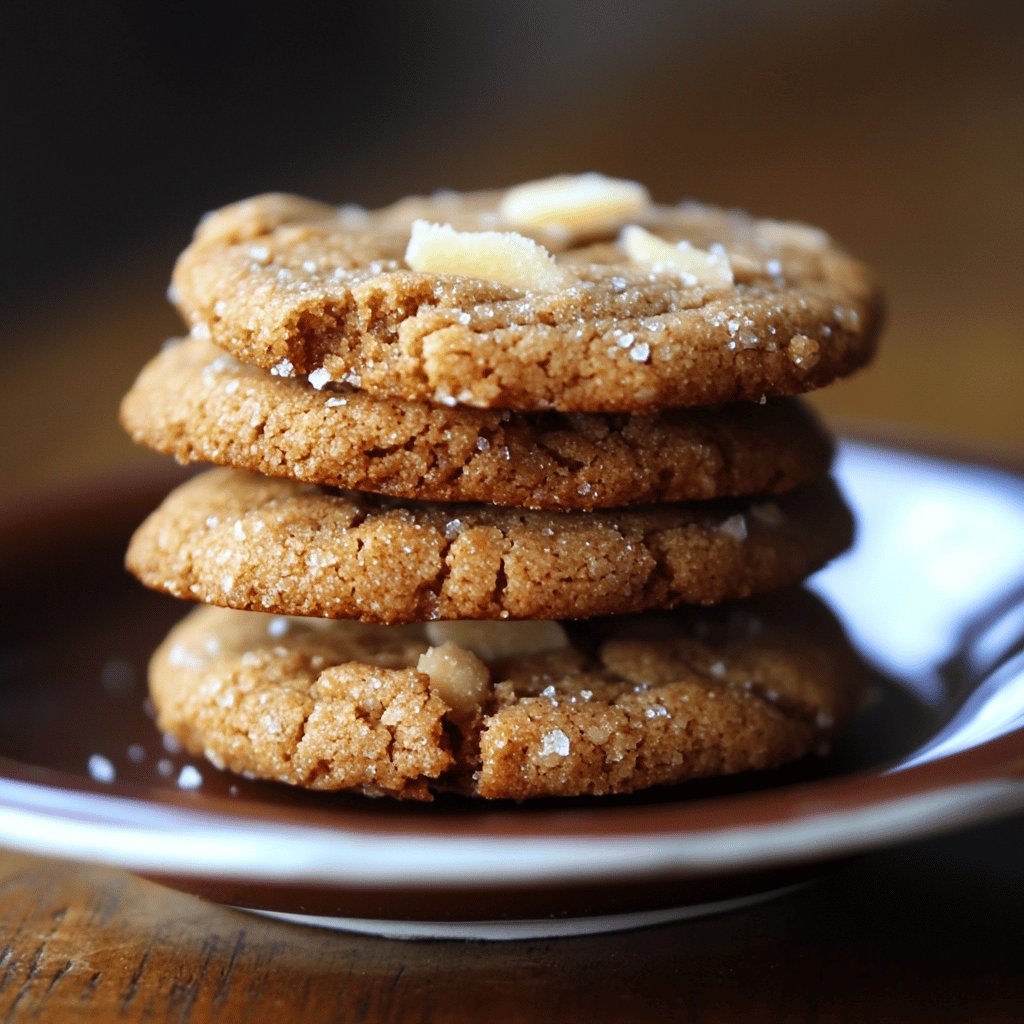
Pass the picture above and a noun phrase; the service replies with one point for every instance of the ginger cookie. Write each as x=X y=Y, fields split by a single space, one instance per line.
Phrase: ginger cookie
x=197 y=403
x=577 y=294
x=507 y=710
x=245 y=541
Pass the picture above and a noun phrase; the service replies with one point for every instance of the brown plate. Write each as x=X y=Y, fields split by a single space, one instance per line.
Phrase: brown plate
x=933 y=594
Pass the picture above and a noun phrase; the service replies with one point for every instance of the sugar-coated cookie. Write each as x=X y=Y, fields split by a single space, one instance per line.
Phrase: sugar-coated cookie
x=578 y=294
x=197 y=403
x=507 y=710
x=245 y=541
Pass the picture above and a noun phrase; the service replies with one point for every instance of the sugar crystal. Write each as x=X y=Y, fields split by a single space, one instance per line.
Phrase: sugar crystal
x=735 y=526
x=554 y=742
x=318 y=378
x=101 y=768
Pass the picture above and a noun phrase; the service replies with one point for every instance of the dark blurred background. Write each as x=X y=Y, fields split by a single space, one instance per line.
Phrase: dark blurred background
x=898 y=127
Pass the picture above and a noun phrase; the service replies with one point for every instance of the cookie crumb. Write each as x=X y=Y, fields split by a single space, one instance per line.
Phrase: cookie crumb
x=189 y=778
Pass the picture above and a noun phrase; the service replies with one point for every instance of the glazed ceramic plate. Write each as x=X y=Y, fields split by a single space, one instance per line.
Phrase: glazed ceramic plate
x=932 y=595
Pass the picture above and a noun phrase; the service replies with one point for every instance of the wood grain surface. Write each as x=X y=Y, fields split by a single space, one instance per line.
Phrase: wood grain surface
x=928 y=933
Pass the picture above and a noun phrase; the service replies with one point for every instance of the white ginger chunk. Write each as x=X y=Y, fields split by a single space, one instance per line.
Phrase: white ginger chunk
x=497 y=639
x=576 y=203
x=502 y=256
x=695 y=266
x=781 y=234
x=457 y=676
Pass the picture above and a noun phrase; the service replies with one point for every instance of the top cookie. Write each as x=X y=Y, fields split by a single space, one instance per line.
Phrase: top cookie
x=576 y=294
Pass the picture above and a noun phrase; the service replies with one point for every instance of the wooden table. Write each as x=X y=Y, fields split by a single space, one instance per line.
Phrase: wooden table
x=929 y=933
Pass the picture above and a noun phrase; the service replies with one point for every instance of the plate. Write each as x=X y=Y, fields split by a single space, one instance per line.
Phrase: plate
x=932 y=594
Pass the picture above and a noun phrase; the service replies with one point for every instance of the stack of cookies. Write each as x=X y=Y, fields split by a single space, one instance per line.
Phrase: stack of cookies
x=505 y=472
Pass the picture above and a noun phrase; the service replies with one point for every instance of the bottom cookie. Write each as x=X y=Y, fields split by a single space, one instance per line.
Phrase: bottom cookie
x=507 y=709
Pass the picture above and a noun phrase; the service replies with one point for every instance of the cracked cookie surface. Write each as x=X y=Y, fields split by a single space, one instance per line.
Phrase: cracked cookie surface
x=298 y=287
x=244 y=541
x=624 y=704
x=197 y=403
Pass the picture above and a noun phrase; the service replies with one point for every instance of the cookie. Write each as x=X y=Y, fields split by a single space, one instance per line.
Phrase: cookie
x=245 y=541
x=506 y=710
x=197 y=403
x=557 y=301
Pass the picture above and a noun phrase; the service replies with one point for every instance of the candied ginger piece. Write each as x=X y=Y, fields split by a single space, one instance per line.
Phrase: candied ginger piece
x=789 y=233
x=502 y=256
x=492 y=640
x=457 y=676
x=694 y=266
x=577 y=203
